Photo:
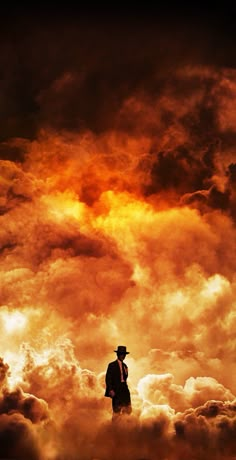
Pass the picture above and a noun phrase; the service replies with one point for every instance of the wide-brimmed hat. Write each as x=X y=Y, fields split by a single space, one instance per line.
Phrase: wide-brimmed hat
x=121 y=350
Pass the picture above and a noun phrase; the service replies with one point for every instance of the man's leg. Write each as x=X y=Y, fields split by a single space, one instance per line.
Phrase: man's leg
x=125 y=401
x=116 y=407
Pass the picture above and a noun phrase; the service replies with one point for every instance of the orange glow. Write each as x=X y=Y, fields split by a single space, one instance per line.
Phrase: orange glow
x=63 y=205
x=122 y=237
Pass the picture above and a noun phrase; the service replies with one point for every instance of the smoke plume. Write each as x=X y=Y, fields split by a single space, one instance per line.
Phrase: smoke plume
x=118 y=226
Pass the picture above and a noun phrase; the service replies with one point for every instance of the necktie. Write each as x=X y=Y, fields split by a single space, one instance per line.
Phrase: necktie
x=124 y=371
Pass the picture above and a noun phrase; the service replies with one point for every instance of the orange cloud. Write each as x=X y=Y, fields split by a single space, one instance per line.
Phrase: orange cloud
x=125 y=236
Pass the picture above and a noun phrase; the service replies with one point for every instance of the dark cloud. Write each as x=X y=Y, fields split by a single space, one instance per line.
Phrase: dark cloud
x=28 y=405
x=19 y=412
x=100 y=55
x=214 y=425
x=17 y=439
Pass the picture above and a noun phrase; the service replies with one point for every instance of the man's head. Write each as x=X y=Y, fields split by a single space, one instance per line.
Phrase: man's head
x=121 y=352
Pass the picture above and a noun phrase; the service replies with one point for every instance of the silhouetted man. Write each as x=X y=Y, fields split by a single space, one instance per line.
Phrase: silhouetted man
x=116 y=385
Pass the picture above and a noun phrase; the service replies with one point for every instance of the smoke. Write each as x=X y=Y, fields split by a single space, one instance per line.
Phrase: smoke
x=117 y=226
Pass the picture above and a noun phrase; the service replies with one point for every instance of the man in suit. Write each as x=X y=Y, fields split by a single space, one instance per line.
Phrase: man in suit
x=116 y=385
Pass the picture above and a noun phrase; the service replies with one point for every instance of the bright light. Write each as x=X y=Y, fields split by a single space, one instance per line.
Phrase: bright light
x=214 y=286
x=63 y=205
x=13 y=321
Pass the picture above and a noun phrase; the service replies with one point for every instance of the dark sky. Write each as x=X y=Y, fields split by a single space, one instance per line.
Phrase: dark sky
x=108 y=52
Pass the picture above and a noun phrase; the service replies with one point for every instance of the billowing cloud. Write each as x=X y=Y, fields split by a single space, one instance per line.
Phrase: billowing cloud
x=117 y=226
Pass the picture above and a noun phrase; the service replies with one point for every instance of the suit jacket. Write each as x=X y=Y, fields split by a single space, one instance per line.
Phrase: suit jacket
x=113 y=376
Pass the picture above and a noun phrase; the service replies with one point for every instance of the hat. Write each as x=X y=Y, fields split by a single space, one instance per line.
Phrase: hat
x=121 y=349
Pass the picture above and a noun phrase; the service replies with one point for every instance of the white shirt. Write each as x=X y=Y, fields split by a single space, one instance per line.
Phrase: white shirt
x=121 y=370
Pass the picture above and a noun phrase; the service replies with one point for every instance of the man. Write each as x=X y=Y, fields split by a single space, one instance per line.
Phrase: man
x=116 y=385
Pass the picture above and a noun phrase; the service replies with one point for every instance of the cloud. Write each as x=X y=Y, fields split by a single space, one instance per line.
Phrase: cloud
x=117 y=226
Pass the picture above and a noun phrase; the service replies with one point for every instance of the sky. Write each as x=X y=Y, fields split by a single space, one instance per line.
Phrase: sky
x=118 y=213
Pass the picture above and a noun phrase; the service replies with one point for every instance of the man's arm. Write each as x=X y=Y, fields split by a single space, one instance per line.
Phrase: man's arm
x=109 y=382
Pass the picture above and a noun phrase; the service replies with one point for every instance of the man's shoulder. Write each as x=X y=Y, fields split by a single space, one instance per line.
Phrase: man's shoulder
x=113 y=363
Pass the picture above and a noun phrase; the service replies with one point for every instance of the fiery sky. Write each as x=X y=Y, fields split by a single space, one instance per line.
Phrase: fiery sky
x=118 y=226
